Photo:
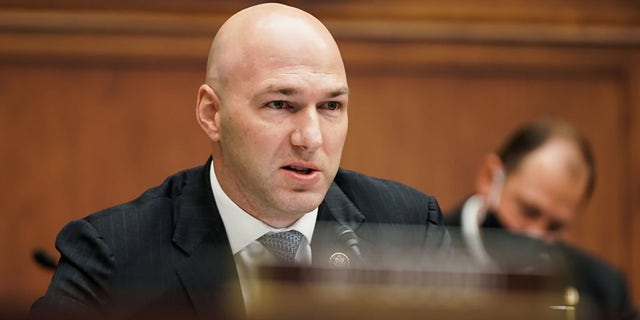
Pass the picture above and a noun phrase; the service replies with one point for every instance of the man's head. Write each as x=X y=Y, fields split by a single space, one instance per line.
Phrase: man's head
x=539 y=180
x=274 y=106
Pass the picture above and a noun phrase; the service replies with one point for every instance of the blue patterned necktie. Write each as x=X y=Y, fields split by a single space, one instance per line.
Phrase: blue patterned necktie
x=283 y=245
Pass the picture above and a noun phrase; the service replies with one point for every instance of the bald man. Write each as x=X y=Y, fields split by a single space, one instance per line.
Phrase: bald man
x=535 y=186
x=274 y=107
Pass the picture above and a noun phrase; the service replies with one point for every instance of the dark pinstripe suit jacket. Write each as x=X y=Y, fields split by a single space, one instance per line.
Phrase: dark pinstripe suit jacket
x=166 y=253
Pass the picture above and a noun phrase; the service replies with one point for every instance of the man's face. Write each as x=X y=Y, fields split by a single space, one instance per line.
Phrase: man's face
x=543 y=195
x=283 y=124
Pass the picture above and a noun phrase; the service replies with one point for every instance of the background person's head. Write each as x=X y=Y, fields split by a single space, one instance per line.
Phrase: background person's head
x=539 y=180
x=274 y=106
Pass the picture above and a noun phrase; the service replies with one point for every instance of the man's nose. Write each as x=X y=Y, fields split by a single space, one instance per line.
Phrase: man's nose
x=307 y=133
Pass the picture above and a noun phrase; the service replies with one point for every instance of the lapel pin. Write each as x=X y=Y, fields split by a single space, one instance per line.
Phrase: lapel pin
x=339 y=260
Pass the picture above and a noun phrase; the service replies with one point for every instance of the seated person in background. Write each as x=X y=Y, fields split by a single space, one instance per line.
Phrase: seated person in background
x=274 y=107
x=536 y=185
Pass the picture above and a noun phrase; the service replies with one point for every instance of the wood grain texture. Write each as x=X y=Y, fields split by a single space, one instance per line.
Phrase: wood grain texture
x=633 y=215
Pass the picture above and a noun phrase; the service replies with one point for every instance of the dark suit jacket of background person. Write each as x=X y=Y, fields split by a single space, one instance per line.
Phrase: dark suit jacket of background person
x=603 y=289
x=166 y=254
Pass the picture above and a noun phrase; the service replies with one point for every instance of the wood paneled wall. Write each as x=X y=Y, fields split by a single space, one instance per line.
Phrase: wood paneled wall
x=97 y=104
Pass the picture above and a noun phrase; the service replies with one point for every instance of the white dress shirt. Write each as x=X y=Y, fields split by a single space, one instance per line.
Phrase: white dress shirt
x=243 y=231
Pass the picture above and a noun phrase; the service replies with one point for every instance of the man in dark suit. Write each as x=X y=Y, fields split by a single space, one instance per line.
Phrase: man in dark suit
x=274 y=106
x=533 y=187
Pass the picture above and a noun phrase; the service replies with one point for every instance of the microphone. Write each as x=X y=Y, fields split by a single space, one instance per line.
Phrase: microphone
x=349 y=239
x=44 y=259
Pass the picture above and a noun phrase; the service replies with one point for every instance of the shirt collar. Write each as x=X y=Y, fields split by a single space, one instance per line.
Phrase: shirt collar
x=243 y=228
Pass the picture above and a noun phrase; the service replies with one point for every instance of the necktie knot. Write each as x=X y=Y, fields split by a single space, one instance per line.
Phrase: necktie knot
x=283 y=245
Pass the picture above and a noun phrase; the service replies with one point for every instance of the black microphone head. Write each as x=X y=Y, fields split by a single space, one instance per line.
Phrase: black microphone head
x=342 y=230
x=44 y=259
x=348 y=237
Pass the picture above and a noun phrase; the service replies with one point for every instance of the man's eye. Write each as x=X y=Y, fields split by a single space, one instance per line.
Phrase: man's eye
x=278 y=104
x=332 y=105
x=530 y=212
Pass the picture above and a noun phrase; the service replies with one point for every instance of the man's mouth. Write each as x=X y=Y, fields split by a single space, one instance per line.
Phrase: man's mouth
x=298 y=169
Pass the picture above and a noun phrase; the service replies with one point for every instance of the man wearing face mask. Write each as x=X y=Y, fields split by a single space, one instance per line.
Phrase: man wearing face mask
x=533 y=188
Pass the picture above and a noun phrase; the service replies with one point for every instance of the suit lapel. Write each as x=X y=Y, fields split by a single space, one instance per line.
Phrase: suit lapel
x=337 y=206
x=336 y=210
x=208 y=271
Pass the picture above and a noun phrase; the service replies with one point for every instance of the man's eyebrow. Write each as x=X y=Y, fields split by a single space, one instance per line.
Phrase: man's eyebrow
x=339 y=92
x=289 y=91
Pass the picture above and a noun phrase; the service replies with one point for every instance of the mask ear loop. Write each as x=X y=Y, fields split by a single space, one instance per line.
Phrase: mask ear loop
x=474 y=212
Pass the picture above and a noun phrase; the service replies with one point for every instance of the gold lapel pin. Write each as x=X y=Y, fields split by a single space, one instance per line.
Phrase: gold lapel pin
x=339 y=260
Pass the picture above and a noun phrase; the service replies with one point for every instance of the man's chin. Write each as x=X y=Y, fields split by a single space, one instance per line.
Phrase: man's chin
x=302 y=208
x=302 y=202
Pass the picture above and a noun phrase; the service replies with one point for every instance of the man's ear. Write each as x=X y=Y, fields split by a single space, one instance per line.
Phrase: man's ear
x=208 y=112
x=489 y=171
